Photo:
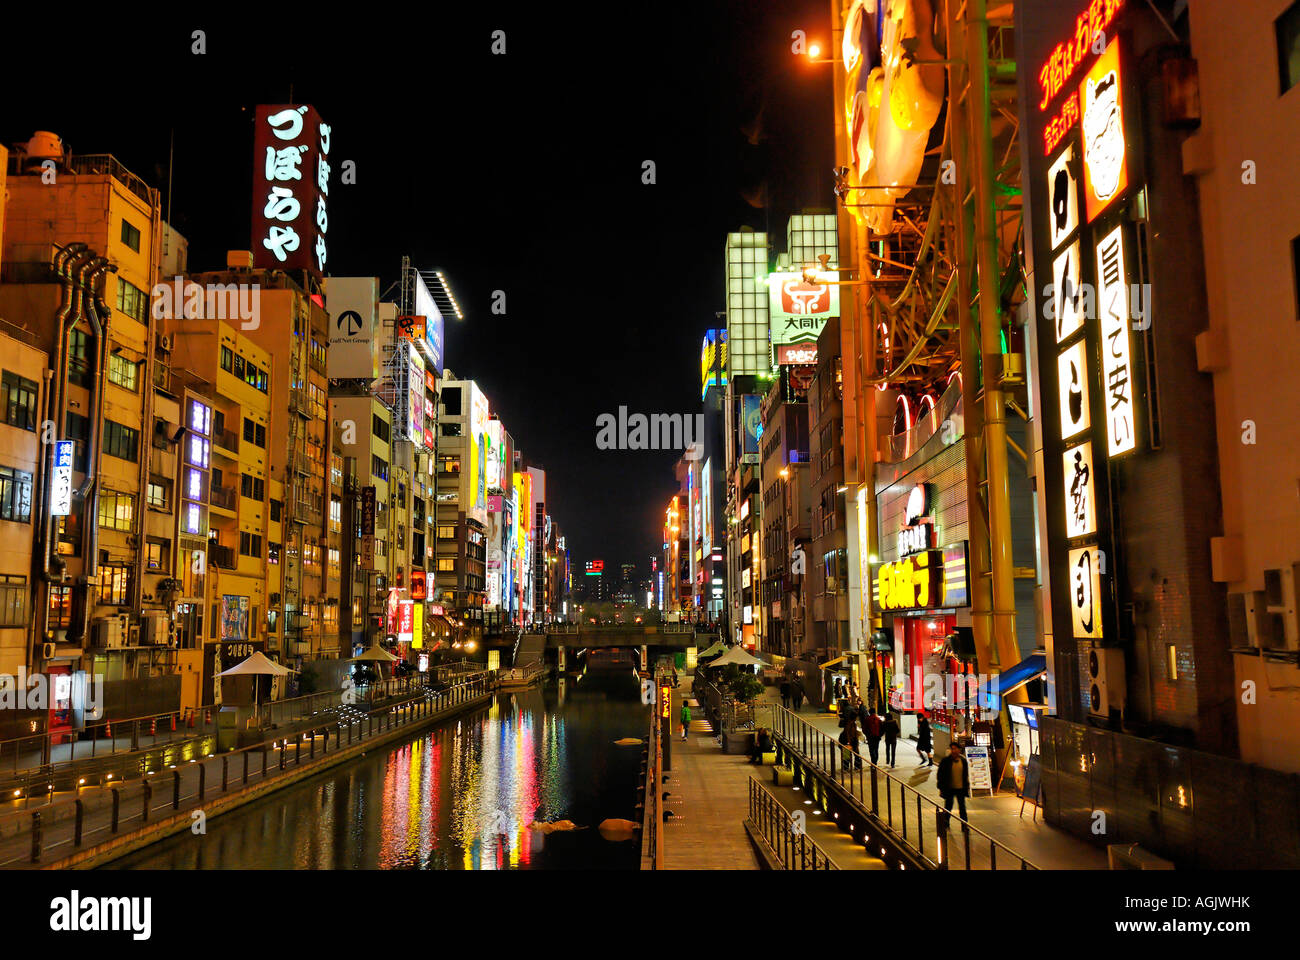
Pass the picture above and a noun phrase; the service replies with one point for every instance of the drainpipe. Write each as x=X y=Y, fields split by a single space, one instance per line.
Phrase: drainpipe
x=95 y=311
x=61 y=266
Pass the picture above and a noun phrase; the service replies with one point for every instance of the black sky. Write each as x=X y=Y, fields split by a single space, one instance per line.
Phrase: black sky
x=519 y=173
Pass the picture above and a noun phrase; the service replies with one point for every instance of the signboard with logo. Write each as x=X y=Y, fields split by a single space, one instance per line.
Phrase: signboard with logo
x=405 y=621
x=927 y=580
x=351 y=302
x=751 y=426
x=410 y=327
x=417 y=626
x=1105 y=165
x=291 y=168
x=798 y=309
x=419 y=590
x=433 y=330
x=61 y=479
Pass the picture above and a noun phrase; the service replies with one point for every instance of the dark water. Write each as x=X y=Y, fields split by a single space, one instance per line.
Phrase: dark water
x=459 y=797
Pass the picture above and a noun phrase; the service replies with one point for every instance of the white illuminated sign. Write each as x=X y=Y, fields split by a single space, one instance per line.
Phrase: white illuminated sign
x=1072 y=369
x=1116 y=369
x=1063 y=189
x=1080 y=487
x=61 y=480
x=1085 y=593
x=1068 y=305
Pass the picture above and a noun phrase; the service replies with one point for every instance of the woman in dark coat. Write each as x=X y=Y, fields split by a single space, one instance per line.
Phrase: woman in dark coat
x=923 y=744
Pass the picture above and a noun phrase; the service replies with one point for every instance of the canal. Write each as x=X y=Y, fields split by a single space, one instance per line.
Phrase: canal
x=459 y=796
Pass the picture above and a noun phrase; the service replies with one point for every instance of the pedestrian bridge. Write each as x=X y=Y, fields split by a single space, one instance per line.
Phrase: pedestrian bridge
x=677 y=636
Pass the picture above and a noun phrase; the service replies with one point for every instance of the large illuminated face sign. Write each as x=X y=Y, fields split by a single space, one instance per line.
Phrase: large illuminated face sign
x=1103 y=135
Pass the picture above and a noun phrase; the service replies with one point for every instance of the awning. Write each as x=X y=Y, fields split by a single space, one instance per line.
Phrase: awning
x=1015 y=678
x=830 y=663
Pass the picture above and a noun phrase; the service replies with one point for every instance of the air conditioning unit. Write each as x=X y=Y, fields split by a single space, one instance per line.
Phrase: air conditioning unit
x=164 y=343
x=47 y=651
x=109 y=633
x=133 y=635
x=156 y=629
x=1107 y=681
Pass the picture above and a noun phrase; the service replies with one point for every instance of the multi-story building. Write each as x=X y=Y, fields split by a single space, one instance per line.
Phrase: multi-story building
x=828 y=567
x=1247 y=57
x=785 y=513
x=81 y=253
x=461 y=509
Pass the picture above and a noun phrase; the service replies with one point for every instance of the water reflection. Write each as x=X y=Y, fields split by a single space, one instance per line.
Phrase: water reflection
x=461 y=796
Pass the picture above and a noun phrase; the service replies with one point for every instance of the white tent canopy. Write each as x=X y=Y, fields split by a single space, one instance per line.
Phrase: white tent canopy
x=256 y=665
x=738 y=655
x=713 y=650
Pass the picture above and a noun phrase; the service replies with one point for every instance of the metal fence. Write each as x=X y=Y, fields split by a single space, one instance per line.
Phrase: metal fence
x=912 y=819
x=94 y=813
x=791 y=845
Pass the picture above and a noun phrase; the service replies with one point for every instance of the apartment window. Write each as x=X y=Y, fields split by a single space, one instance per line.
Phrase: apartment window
x=255 y=433
x=254 y=488
x=446 y=564
x=1288 y=46
x=121 y=441
x=451 y=401
x=276 y=507
x=239 y=367
x=131 y=300
x=15 y=495
x=272 y=552
x=131 y=236
x=450 y=429
x=380 y=429
x=250 y=544
x=378 y=467
x=77 y=429
x=158 y=493
x=446 y=533
x=227 y=359
x=156 y=555
x=116 y=510
x=200 y=418
x=60 y=607
x=13 y=600
x=79 y=358
x=449 y=464
x=18 y=395
x=123 y=372
x=114 y=580
x=336 y=514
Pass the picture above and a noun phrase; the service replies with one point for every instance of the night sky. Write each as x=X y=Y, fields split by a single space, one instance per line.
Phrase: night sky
x=519 y=173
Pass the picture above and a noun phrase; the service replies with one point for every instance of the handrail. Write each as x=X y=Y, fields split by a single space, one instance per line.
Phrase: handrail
x=863 y=780
x=356 y=726
x=787 y=840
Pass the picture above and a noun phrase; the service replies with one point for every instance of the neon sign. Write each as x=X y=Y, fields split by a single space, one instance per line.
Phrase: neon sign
x=1067 y=56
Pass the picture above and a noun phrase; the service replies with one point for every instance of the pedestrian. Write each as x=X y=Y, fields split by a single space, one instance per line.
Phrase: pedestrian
x=850 y=740
x=954 y=781
x=923 y=745
x=796 y=692
x=674 y=678
x=873 y=728
x=890 y=727
x=785 y=692
x=686 y=718
x=844 y=710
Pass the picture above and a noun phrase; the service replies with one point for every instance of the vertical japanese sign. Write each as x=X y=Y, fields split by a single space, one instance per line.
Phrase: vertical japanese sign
x=1112 y=310
x=368 y=528
x=290 y=188
x=1105 y=167
x=61 y=481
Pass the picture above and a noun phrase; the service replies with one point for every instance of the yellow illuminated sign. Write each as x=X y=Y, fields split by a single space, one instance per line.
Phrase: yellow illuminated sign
x=910 y=583
x=665 y=702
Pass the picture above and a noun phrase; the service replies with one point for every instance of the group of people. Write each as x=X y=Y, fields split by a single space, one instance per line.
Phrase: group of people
x=875 y=727
x=791 y=693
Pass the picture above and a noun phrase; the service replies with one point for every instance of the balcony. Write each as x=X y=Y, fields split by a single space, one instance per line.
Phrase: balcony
x=223 y=498
x=299 y=463
x=222 y=557
x=226 y=443
x=299 y=402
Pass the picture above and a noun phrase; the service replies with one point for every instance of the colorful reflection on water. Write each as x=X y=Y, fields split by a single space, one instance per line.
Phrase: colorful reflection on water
x=459 y=797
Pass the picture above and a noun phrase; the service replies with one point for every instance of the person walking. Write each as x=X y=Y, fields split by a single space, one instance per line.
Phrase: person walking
x=686 y=718
x=785 y=692
x=796 y=692
x=849 y=739
x=954 y=780
x=923 y=744
x=873 y=728
x=890 y=729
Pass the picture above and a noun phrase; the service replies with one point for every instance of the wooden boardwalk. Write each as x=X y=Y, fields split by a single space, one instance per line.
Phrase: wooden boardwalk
x=708 y=799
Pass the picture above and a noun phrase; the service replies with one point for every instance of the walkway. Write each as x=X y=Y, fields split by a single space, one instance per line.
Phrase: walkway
x=708 y=799
x=999 y=816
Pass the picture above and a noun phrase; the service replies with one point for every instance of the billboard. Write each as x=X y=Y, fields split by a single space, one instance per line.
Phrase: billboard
x=495 y=450
x=751 y=427
x=61 y=481
x=475 y=499
x=291 y=147
x=713 y=360
x=351 y=303
x=432 y=346
x=415 y=398
x=798 y=309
